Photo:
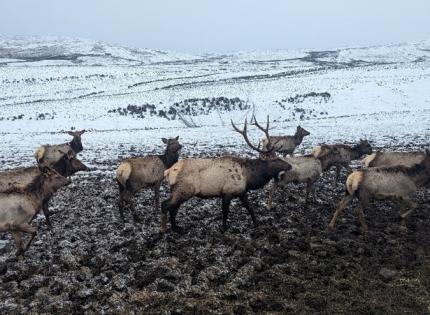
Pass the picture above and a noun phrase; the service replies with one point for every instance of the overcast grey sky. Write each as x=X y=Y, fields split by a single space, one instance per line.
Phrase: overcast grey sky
x=222 y=25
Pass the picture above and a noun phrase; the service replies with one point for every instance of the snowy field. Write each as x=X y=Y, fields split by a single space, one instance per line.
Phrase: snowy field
x=128 y=99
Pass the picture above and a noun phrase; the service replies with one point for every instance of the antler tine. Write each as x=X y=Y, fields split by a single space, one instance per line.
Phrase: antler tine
x=265 y=130
x=269 y=145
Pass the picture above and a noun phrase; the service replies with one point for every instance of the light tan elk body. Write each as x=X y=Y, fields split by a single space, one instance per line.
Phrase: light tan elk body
x=380 y=158
x=286 y=144
x=226 y=177
x=340 y=155
x=304 y=169
x=51 y=155
x=395 y=183
x=18 y=209
x=136 y=174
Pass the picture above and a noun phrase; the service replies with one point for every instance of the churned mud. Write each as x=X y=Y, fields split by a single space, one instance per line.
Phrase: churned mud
x=91 y=263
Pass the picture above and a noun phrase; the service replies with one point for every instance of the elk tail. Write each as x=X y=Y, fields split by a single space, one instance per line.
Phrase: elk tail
x=40 y=152
x=123 y=173
x=353 y=182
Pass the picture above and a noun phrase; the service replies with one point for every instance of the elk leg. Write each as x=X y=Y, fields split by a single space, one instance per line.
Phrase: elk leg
x=245 y=202
x=122 y=192
x=342 y=205
x=157 y=196
x=27 y=228
x=309 y=188
x=406 y=204
x=226 y=200
x=336 y=179
x=170 y=205
x=45 y=209
x=164 y=210
x=271 y=193
x=360 y=214
x=18 y=242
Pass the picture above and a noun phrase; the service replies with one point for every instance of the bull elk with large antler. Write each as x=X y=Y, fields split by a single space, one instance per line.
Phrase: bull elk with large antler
x=225 y=177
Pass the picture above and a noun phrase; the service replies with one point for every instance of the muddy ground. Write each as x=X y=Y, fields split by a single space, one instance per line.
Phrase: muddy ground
x=91 y=263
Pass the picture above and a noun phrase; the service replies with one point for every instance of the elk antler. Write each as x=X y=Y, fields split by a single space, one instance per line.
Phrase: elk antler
x=245 y=136
x=269 y=145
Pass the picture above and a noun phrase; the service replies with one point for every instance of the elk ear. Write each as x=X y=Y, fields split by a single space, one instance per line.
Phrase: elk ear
x=70 y=133
x=82 y=132
x=281 y=176
x=164 y=140
x=177 y=138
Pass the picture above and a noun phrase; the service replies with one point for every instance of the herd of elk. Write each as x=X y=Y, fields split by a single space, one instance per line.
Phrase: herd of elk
x=26 y=191
x=386 y=175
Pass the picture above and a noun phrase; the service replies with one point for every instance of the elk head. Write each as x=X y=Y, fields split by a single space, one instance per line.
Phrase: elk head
x=52 y=180
x=173 y=144
x=302 y=132
x=76 y=143
x=69 y=164
x=365 y=147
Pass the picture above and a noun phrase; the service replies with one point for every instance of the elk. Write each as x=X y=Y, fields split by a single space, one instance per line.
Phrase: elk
x=51 y=154
x=304 y=169
x=286 y=144
x=226 y=177
x=19 y=179
x=135 y=174
x=395 y=183
x=18 y=209
x=380 y=158
x=340 y=155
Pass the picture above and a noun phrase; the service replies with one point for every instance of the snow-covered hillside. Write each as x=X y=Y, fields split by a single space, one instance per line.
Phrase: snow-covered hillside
x=130 y=98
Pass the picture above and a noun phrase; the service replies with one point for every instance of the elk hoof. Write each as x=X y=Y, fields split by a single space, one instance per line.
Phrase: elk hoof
x=163 y=225
x=19 y=255
x=403 y=229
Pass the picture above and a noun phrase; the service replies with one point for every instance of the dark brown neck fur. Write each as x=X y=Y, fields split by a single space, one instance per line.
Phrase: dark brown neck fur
x=258 y=173
x=298 y=138
x=169 y=157
x=76 y=144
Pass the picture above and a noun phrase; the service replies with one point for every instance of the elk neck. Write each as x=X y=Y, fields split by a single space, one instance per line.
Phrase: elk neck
x=420 y=173
x=169 y=157
x=36 y=192
x=76 y=144
x=257 y=173
x=298 y=138
x=356 y=152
